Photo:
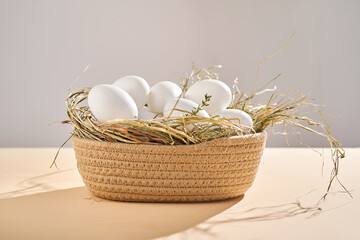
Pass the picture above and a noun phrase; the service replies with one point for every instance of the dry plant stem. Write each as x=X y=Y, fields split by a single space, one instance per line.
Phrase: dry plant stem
x=198 y=74
x=57 y=153
x=268 y=57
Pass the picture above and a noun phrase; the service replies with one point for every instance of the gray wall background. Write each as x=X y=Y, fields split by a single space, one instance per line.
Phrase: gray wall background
x=45 y=44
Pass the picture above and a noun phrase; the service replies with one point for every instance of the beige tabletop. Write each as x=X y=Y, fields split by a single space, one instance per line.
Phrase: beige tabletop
x=41 y=203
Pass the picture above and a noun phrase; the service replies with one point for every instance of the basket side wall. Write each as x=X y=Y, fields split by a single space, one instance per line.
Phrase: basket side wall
x=220 y=169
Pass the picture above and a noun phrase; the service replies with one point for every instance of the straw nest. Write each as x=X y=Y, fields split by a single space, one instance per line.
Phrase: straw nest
x=164 y=130
x=285 y=108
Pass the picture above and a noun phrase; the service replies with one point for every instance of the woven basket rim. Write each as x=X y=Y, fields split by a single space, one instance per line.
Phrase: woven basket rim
x=234 y=140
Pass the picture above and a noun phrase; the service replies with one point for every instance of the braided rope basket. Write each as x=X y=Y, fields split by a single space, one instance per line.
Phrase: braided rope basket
x=215 y=170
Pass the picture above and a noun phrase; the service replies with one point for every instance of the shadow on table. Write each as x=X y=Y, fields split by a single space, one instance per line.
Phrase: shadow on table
x=33 y=185
x=76 y=214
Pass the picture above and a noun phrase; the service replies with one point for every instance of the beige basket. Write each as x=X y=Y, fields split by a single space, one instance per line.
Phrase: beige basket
x=216 y=170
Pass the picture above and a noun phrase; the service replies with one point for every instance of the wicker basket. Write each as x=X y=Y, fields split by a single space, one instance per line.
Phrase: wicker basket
x=216 y=170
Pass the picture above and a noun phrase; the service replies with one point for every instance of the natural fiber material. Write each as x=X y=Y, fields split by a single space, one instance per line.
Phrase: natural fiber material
x=216 y=170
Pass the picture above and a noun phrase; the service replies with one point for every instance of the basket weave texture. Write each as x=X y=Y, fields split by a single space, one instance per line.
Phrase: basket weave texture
x=216 y=170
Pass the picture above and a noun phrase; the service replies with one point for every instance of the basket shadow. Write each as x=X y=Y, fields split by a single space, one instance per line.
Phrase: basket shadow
x=76 y=214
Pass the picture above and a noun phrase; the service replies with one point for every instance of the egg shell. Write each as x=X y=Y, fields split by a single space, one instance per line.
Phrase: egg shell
x=245 y=119
x=219 y=91
x=161 y=93
x=182 y=104
x=136 y=87
x=146 y=114
x=108 y=102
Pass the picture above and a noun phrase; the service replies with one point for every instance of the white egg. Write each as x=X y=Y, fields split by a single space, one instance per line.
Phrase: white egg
x=146 y=114
x=161 y=93
x=136 y=87
x=219 y=91
x=244 y=118
x=183 y=104
x=107 y=102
